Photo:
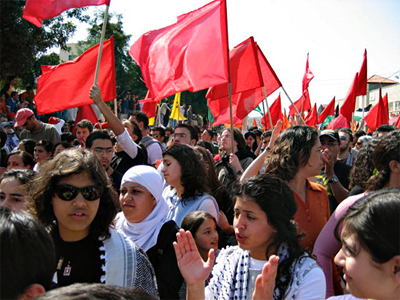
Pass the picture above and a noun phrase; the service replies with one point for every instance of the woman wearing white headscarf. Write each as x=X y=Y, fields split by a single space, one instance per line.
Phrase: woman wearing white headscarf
x=143 y=219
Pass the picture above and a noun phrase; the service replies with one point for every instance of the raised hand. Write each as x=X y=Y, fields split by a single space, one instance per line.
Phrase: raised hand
x=192 y=267
x=265 y=282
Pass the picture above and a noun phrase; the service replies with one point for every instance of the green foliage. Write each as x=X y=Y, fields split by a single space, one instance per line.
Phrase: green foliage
x=23 y=44
x=127 y=72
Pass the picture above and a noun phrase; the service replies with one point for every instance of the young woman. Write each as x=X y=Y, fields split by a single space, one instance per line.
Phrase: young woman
x=185 y=173
x=74 y=198
x=295 y=157
x=60 y=147
x=43 y=151
x=19 y=160
x=13 y=193
x=386 y=159
x=264 y=228
x=203 y=228
x=144 y=220
x=370 y=253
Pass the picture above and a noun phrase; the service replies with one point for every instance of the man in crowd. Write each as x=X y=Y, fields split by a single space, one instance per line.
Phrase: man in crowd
x=83 y=129
x=34 y=129
x=99 y=142
x=154 y=149
x=158 y=133
x=13 y=101
x=335 y=176
x=185 y=134
x=208 y=136
x=346 y=154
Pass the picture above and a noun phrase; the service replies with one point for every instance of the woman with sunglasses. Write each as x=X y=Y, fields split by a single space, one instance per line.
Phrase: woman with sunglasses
x=74 y=198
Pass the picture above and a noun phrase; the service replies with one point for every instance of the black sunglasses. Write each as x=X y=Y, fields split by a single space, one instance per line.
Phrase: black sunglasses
x=69 y=192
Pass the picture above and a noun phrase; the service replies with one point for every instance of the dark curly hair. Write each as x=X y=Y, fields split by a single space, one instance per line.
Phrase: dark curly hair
x=69 y=162
x=193 y=172
x=386 y=151
x=291 y=152
x=363 y=166
x=276 y=199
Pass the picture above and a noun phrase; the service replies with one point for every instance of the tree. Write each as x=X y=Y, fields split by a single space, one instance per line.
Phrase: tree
x=127 y=72
x=22 y=43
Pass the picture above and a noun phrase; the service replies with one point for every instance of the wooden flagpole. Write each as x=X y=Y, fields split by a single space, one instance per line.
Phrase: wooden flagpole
x=103 y=33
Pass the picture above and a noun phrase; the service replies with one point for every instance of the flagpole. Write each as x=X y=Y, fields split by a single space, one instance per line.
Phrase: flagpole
x=269 y=112
x=301 y=117
x=103 y=33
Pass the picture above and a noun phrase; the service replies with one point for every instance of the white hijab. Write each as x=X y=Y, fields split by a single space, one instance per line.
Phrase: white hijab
x=145 y=233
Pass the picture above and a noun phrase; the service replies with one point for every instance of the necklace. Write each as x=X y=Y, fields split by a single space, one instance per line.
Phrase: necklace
x=67 y=269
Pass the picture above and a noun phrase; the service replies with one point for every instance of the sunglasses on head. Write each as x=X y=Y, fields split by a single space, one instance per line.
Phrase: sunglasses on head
x=69 y=192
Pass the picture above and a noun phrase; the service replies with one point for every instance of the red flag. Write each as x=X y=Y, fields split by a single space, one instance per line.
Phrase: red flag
x=276 y=113
x=67 y=85
x=244 y=103
x=328 y=111
x=398 y=122
x=36 y=11
x=245 y=78
x=377 y=115
x=349 y=103
x=361 y=88
x=245 y=71
x=385 y=109
x=338 y=122
x=308 y=76
x=303 y=104
x=85 y=112
x=149 y=108
x=191 y=54
x=312 y=116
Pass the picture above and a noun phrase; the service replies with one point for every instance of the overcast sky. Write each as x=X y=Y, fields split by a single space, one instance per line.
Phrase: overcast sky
x=334 y=33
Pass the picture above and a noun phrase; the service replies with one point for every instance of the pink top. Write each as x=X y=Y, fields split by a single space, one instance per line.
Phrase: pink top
x=327 y=246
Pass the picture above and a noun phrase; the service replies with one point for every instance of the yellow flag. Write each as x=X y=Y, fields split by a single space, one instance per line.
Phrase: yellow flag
x=151 y=121
x=176 y=111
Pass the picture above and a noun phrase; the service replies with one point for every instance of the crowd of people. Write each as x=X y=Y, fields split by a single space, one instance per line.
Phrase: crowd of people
x=132 y=211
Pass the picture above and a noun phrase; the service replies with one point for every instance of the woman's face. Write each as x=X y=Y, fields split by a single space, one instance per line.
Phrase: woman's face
x=75 y=217
x=252 y=229
x=364 y=277
x=250 y=141
x=136 y=201
x=314 y=164
x=12 y=194
x=41 y=154
x=207 y=237
x=172 y=171
x=16 y=162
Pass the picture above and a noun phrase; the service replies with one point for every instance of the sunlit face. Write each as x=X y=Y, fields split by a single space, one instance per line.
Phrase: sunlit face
x=226 y=140
x=252 y=229
x=250 y=141
x=40 y=154
x=207 y=237
x=182 y=136
x=205 y=136
x=15 y=162
x=265 y=141
x=136 y=201
x=156 y=135
x=82 y=134
x=344 y=140
x=103 y=149
x=314 y=164
x=12 y=194
x=172 y=171
x=364 y=277
x=75 y=217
